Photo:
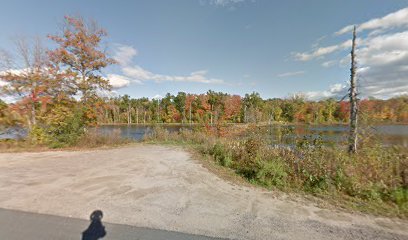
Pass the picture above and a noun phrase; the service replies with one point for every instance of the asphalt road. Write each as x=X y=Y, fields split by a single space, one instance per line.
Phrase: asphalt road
x=18 y=225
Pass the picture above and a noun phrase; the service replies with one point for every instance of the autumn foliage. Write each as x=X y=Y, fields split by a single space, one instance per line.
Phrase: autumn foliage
x=46 y=83
x=225 y=108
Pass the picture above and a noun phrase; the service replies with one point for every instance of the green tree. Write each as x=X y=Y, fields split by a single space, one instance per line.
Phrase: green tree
x=252 y=104
x=180 y=104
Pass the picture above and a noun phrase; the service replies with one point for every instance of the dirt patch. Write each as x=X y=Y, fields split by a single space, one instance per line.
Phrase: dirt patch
x=163 y=187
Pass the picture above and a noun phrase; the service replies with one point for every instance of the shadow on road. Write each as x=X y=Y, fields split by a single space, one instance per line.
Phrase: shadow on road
x=96 y=230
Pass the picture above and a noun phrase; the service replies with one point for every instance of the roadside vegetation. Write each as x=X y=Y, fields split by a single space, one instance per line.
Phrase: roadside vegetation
x=86 y=140
x=374 y=180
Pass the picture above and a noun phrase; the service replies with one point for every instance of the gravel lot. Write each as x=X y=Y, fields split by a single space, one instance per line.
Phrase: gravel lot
x=162 y=187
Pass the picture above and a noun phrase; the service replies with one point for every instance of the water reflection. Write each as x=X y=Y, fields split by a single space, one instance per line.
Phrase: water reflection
x=278 y=134
x=289 y=134
x=13 y=133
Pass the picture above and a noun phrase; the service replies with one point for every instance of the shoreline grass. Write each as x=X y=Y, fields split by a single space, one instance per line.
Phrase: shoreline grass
x=88 y=140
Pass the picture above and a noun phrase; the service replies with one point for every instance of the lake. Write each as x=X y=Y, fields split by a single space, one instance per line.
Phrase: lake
x=334 y=134
x=389 y=135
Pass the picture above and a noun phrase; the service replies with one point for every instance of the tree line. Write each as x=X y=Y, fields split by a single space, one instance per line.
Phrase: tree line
x=217 y=107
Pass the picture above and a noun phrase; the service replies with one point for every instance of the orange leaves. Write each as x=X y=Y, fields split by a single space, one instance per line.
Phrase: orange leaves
x=232 y=106
x=79 y=52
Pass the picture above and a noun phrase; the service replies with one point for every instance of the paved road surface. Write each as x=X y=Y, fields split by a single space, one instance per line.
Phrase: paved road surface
x=160 y=187
x=17 y=225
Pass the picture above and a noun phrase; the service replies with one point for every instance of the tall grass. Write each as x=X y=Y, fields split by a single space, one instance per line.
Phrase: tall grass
x=375 y=179
x=94 y=138
x=89 y=139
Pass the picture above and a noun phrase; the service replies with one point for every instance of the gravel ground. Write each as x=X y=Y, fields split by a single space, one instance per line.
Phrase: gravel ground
x=162 y=187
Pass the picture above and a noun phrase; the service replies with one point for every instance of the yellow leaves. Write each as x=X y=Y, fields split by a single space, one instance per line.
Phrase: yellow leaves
x=57 y=114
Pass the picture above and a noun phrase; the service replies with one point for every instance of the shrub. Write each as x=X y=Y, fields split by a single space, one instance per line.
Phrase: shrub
x=222 y=155
x=60 y=127
x=93 y=138
x=272 y=173
x=38 y=136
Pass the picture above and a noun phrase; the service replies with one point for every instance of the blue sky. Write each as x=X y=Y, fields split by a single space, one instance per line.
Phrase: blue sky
x=276 y=48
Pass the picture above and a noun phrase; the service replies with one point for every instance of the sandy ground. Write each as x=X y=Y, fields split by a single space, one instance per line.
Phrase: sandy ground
x=162 y=187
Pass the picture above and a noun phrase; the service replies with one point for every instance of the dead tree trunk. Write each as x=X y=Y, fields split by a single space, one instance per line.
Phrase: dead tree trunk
x=211 y=115
x=144 y=116
x=128 y=114
x=353 y=99
x=137 y=115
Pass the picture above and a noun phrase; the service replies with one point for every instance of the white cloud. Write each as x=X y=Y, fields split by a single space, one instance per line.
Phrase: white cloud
x=382 y=56
x=347 y=29
x=329 y=63
x=393 y=20
x=134 y=73
x=118 y=81
x=158 y=97
x=335 y=91
x=383 y=64
x=318 y=42
x=124 y=54
x=291 y=74
x=138 y=73
x=383 y=67
x=227 y=4
x=224 y=3
x=320 y=52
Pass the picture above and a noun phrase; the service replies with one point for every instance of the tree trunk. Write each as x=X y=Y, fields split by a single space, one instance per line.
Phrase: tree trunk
x=190 y=114
x=137 y=115
x=33 y=113
x=128 y=115
x=211 y=115
x=144 y=116
x=353 y=99
x=245 y=114
x=158 y=110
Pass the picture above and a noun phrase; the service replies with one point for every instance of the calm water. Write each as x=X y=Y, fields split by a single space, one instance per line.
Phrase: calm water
x=13 y=133
x=336 y=134
x=389 y=135
x=136 y=132
x=386 y=134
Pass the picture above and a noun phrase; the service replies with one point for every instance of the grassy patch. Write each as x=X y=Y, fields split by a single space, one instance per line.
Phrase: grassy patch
x=87 y=140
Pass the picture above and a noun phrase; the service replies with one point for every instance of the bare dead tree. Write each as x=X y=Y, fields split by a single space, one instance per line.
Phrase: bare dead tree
x=137 y=115
x=353 y=98
x=129 y=114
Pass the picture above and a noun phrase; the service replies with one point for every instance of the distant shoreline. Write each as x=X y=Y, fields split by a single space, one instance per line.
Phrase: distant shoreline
x=248 y=124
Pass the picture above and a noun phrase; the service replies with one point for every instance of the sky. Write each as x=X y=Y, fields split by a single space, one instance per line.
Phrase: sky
x=276 y=48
